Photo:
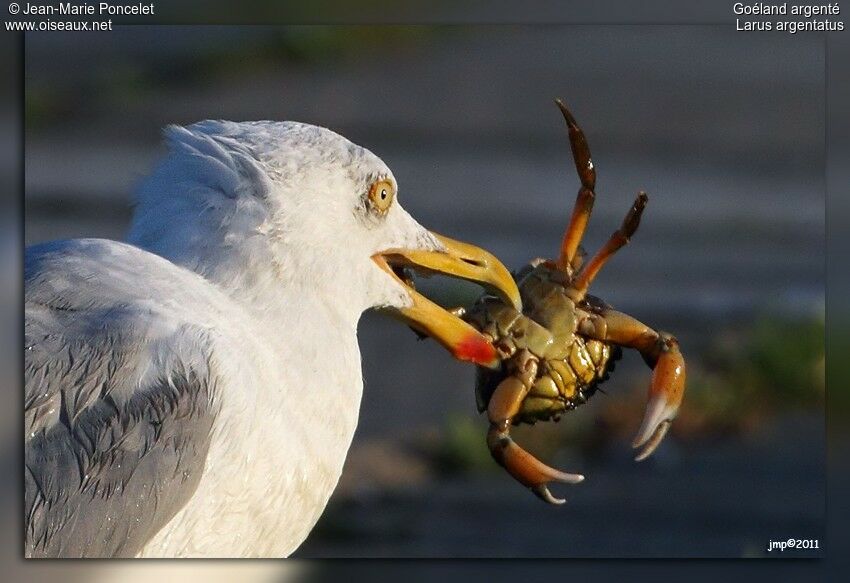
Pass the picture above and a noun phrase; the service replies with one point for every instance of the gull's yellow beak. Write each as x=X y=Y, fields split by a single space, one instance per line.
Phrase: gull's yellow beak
x=463 y=261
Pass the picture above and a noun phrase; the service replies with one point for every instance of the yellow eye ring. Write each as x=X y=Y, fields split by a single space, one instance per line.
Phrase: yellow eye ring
x=381 y=196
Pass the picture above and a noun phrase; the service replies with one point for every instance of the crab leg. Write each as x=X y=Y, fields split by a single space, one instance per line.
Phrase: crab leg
x=617 y=240
x=503 y=406
x=584 y=200
x=660 y=351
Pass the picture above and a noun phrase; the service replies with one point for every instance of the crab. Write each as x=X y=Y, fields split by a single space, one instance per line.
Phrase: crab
x=564 y=342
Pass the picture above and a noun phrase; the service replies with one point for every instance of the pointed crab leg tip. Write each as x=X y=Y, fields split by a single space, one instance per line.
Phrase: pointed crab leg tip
x=544 y=494
x=566 y=112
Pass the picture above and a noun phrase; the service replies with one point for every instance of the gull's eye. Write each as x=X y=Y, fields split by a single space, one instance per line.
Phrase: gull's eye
x=381 y=195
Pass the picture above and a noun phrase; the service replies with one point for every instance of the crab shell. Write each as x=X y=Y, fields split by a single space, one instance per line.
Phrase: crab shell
x=571 y=366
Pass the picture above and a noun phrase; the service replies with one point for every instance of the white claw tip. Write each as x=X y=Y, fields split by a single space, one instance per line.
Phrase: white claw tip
x=642 y=455
x=658 y=412
x=544 y=494
x=654 y=440
x=566 y=478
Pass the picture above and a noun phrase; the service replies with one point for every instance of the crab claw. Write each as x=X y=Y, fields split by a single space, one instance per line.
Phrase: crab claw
x=524 y=467
x=503 y=406
x=665 y=396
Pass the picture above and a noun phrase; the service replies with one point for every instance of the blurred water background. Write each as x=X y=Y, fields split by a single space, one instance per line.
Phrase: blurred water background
x=724 y=131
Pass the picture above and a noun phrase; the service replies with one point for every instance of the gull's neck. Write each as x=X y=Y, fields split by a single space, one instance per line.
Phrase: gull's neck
x=287 y=418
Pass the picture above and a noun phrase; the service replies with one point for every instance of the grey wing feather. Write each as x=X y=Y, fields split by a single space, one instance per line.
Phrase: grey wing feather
x=119 y=406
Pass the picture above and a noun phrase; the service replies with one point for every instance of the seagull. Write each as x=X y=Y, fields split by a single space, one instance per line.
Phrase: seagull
x=193 y=391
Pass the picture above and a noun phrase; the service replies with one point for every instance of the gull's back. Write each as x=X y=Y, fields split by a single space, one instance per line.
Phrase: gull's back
x=119 y=395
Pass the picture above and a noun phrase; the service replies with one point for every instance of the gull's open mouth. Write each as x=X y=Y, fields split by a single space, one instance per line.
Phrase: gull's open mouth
x=405 y=275
x=460 y=260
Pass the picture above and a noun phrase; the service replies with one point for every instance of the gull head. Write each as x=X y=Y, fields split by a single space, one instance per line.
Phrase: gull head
x=268 y=210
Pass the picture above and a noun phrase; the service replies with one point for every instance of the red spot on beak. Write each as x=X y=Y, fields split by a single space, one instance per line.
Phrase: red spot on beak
x=475 y=348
